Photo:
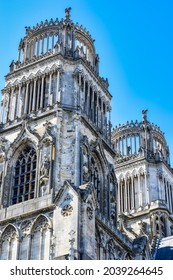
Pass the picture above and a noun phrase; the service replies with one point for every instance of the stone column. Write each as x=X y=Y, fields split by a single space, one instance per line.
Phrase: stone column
x=126 y=150
x=29 y=237
x=119 y=145
x=146 y=188
x=132 y=194
x=42 y=91
x=34 y=95
x=15 y=100
x=77 y=154
x=47 y=43
x=42 y=47
x=130 y=144
x=79 y=97
x=139 y=189
x=30 y=96
x=123 y=146
x=12 y=106
x=34 y=47
x=165 y=191
x=19 y=53
x=26 y=98
x=170 y=191
x=101 y=113
x=49 y=94
x=52 y=42
x=92 y=106
x=84 y=95
x=128 y=195
x=135 y=143
x=18 y=109
x=2 y=109
x=38 y=94
x=169 y=196
x=38 y=46
x=125 y=194
x=7 y=105
x=58 y=93
x=88 y=100
x=97 y=109
x=110 y=122
x=118 y=200
x=162 y=189
x=26 y=52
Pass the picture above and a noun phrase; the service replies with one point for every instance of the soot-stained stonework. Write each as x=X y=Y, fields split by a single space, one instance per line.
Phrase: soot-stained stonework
x=67 y=189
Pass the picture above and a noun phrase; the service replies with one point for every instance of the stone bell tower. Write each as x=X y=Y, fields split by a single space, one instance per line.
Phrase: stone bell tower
x=145 y=179
x=58 y=192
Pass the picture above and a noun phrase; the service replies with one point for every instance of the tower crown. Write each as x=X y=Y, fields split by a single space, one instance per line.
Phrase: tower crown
x=140 y=139
x=56 y=37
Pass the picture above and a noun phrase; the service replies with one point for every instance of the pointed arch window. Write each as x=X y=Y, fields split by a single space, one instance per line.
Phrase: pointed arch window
x=24 y=176
x=95 y=178
x=40 y=239
x=9 y=244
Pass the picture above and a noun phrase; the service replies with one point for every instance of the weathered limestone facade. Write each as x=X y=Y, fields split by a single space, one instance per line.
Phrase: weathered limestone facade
x=58 y=189
x=145 y=180
x=69 y=187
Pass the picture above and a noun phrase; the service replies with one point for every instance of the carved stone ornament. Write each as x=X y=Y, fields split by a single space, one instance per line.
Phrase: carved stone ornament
x=25 y=226
x=4 y=146
x=67 y=210
x=68 y=198
x=90 y=211
x=44 y=172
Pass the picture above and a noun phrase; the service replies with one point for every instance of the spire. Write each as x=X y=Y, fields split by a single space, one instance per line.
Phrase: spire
x=144 y=115
x=67 y=13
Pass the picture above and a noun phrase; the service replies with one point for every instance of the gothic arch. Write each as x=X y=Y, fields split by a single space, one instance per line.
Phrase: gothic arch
x=22 y=162
x=24 y=136
x=127 y=174
x=9 y=243
x=141 y=170
x=40 y=238
x=41 y=217
x=121 y=177
x=160 y=224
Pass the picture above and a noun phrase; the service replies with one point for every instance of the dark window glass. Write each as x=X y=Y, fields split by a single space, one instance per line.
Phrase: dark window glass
x=24 y=177
x=17 y=171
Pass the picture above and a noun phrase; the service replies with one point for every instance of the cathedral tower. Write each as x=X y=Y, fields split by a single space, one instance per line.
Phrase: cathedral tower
x=58 y=190
x=145 y=179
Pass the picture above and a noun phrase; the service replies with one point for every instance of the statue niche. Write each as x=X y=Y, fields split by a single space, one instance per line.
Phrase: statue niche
x=85 y=166
x=46 y=159
x=44 y=176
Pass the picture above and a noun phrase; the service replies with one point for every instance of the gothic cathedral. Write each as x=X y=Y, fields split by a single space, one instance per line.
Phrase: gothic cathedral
x=70 y=187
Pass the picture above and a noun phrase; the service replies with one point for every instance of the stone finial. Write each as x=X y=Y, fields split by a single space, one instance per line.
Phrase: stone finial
x=67 y=13
x=144 y=115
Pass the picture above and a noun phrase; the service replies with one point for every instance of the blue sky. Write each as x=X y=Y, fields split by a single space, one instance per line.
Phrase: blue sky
x=133 y=38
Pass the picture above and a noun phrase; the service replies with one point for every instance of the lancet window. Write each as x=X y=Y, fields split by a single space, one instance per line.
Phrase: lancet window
x=40 y=239
x=24 y=176
x=94 y=105
x=8 y=244
x=32 y=96
x=95 y=177
x=128 y=145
